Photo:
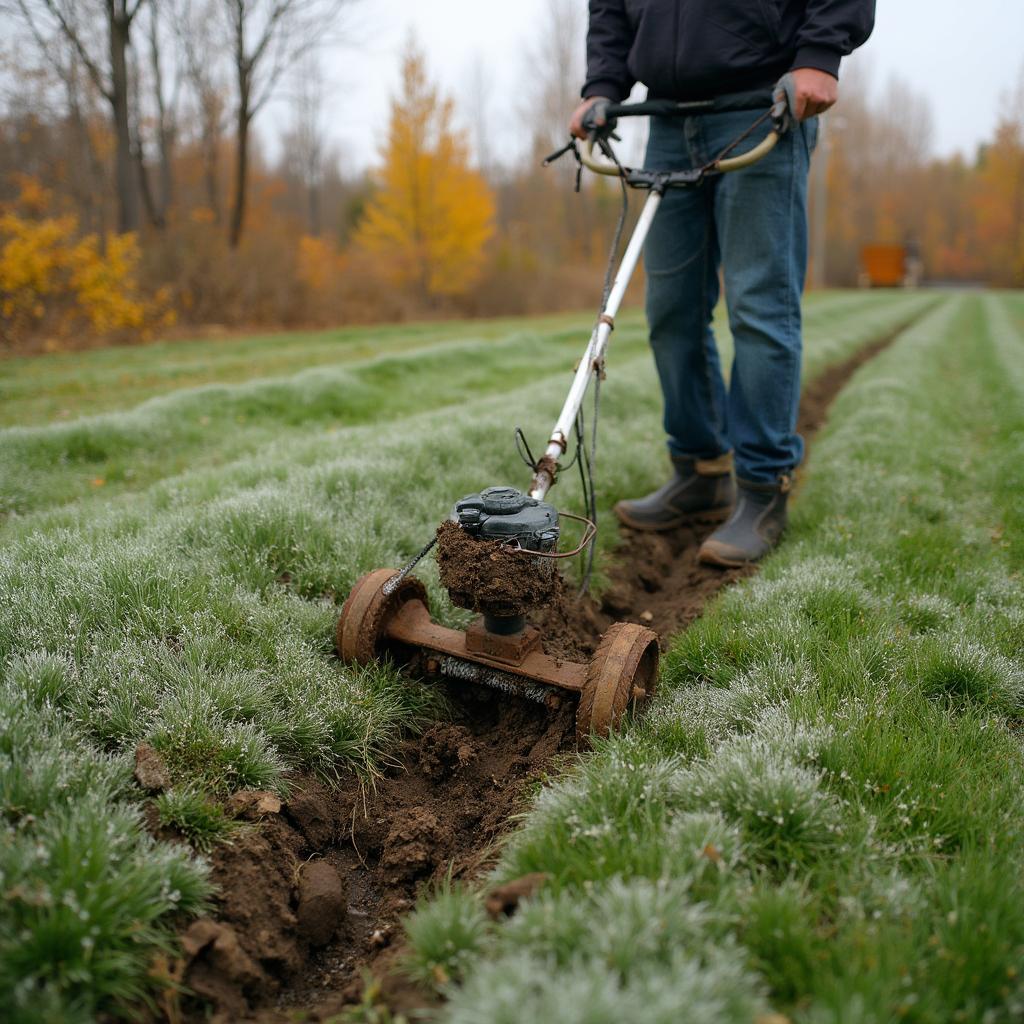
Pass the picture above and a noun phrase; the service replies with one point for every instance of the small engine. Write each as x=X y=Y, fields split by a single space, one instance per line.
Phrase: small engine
x=508 y=515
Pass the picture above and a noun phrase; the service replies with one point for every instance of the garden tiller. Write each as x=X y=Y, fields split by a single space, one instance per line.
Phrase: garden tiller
x=498 y=553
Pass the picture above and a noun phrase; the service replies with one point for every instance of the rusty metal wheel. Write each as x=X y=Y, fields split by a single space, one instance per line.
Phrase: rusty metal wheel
x=366 y=612
x=623 y=672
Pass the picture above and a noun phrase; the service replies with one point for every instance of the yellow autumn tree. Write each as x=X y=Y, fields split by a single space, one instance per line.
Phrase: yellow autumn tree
x=999 y=194
x=432 y=214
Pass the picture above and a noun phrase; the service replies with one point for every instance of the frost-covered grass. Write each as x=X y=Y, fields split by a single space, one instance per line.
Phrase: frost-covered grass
x=202 y=821
x=822 y=815
x=86 y=895
x=214 y=424
x=60 y=386
x=221 y=421
x=194 y=610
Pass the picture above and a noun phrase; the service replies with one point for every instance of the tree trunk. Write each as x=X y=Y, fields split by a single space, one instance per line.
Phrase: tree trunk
x=165 y=126
x=125 y=174
x=211 y=173
x=154 y=214
x=241 y=161
x=90 y=191
x=166 y=173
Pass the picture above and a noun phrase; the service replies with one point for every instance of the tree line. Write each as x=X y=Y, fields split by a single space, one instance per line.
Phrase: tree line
x=136 y=193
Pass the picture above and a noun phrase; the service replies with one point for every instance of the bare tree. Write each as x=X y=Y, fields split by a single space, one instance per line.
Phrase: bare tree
x=165 y=86
x=478 y=95
x=51 y=88
x=196 y=26
x=267 y=38
x=49 y=20
x=305 y=142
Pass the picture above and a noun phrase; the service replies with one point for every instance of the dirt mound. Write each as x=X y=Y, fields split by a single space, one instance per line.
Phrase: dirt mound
x=656 y=581
x=314 y=895
x=316 y=892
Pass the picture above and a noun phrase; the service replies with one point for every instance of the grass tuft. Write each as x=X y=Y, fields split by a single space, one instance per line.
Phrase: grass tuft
x=200 y=819
x=446 y=932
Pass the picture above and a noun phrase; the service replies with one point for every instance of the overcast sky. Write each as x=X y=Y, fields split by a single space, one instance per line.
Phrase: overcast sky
x=962 y=54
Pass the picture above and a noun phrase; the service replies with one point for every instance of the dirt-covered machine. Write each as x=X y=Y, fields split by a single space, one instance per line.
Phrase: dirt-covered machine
x=498 y=553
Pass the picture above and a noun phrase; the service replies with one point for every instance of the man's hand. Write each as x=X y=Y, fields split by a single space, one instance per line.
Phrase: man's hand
x=576 y=121
x=815 y=90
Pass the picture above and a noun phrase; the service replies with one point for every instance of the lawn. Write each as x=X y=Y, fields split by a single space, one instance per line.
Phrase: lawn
x=824 y=789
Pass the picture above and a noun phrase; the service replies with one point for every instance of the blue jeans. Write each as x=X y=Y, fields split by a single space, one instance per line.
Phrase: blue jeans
x=752 y=223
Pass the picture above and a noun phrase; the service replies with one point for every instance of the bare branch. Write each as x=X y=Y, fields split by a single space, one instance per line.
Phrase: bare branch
x=290 y=50
x=71 y=34
x=130 y=13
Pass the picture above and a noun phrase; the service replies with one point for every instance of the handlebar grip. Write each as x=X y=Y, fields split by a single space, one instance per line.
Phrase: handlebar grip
x=756 y=99
x=662 y=108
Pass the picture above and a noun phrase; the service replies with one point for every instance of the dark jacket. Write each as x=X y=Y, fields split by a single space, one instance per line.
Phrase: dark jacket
x=695 y=49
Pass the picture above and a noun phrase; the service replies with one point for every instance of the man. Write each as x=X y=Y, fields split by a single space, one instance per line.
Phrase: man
x=751 y=223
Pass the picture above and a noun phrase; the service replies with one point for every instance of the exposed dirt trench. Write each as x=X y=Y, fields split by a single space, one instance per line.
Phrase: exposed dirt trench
x=312 y=897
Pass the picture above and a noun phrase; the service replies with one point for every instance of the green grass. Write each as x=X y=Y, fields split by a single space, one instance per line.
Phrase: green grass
x=216 y=424
x=190 y=604
x=87 y=896
x=822 y=813
x=62 y=386
x=67 y=385
x=202 y=821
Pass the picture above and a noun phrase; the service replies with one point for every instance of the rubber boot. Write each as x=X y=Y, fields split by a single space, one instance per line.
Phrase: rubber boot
x=701 y=490
x=754 y=527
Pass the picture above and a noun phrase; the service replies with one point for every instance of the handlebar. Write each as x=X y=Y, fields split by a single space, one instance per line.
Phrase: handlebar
x=778 y=101
x=641 y=179
x=756 y=99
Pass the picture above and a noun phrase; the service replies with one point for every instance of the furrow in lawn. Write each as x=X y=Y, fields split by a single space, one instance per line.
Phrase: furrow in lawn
x=196 y=616
x=821 y=815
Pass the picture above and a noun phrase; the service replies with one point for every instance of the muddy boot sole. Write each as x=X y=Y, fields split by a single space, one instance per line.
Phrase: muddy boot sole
x=710 y=555
x=709 y=516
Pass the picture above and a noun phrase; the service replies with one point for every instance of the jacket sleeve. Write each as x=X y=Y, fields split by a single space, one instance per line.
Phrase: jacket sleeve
x=609 y=40
x=832 y=30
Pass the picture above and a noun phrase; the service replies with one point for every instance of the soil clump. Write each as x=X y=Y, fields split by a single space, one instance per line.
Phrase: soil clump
x=313 y=895
x=488 y=576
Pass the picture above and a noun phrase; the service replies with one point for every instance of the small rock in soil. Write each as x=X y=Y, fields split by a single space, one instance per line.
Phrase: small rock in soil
x=322 y=902
x=150 y=771
x=252 y=804
x=503 y=900
x=647 y=616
